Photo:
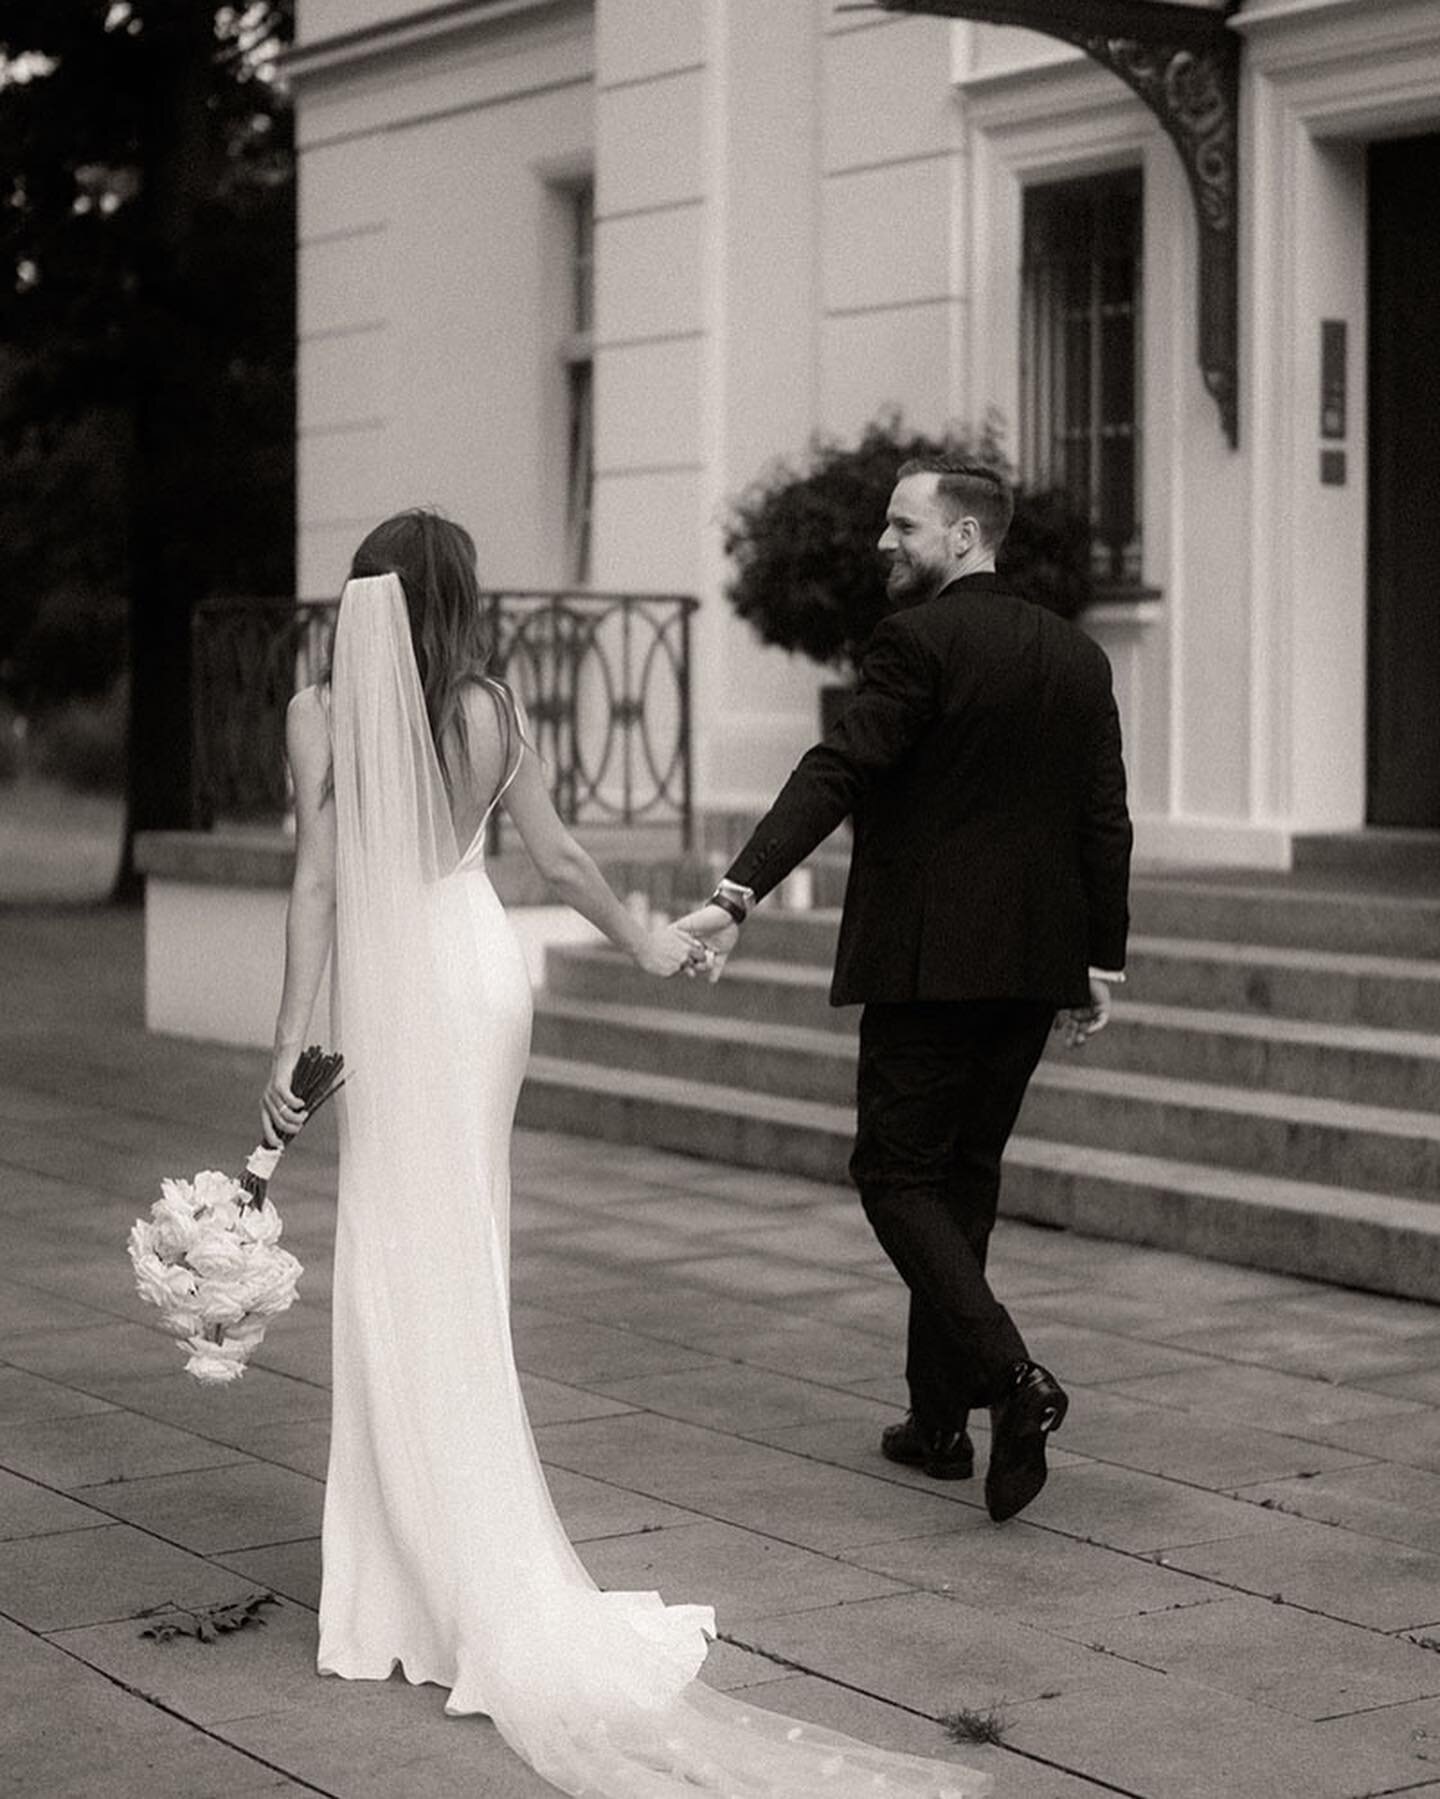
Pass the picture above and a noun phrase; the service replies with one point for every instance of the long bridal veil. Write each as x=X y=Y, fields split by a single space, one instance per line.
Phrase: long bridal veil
x=442 y=1550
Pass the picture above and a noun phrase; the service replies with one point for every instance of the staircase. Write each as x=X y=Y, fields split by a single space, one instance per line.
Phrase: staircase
x=1268 y=1091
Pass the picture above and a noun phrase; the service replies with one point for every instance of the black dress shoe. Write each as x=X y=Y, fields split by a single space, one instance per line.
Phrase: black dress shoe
x=1034 y=1404
x=943 y=1454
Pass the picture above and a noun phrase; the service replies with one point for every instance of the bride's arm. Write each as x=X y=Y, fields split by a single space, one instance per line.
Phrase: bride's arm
x=310 y=918
x=571 y=871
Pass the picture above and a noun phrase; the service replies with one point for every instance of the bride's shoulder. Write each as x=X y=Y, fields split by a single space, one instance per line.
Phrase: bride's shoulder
x=307 y=718
x=487 y=697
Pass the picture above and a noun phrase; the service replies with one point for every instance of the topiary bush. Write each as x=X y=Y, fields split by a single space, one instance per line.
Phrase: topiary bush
x=802 y=539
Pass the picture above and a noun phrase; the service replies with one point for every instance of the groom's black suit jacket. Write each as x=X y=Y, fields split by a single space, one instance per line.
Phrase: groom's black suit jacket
x=979 y=759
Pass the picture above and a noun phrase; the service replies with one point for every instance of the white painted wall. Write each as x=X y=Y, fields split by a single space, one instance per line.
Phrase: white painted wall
x=430 y=318
x=805 y=216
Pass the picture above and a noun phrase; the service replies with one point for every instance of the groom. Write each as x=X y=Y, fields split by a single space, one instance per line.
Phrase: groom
x=979 y=760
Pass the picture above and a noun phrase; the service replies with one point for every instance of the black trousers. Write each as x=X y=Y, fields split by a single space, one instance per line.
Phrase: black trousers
x=940 y=1087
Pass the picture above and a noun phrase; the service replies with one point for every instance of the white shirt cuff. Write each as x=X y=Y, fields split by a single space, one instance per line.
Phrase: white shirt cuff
x=1115 y=976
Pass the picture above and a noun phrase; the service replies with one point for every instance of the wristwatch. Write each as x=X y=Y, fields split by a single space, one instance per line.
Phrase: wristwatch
x=731 y=897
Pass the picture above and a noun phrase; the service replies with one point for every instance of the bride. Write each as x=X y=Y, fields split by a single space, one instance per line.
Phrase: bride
x=442 y=1551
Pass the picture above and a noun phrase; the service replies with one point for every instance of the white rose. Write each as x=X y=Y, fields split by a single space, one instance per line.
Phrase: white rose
x=174 y=1224
x=259 y=1224
x=216 y=1253
x=247 y=1333
x=161 y=1284
x=215 y=1363
x=269 y=1285
x=143 y=1240
x=221 y=1300
x=179 y=1193
x=216 y=1190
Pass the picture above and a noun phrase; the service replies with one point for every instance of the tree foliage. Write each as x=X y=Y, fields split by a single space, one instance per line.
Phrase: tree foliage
x=803 y=540
x=146 y=348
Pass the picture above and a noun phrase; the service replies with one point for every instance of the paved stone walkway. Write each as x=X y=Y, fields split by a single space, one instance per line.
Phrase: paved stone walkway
x=1231 y=1586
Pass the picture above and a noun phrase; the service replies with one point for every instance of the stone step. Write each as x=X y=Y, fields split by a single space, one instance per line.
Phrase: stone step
x=1281 y=1055
x=1277 y=915
x=1332 y=1141
x=1385 y=992
x=1375 y=852
x=1322 y=1061
x=1355 y=1237
x=1329 y=1142
x=1380 y=992
x=1283 y=913
x=785 y=993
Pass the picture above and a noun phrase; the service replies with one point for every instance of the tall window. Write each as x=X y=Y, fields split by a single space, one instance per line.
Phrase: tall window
x=578 y=354
x=1080 y=358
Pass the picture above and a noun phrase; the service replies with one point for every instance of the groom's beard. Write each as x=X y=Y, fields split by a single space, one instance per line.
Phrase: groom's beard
x=908 y=583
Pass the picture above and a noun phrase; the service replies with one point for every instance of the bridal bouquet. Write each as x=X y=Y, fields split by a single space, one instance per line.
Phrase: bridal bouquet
x=209 y=1254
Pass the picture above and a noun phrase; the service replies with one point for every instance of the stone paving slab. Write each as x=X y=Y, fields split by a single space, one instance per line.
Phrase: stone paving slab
x=931 y=1653
x=1294 y=1662
x=1265 y=1398
x=1035 y=1576
x=1197 y=1449
x=93 y=1576
x=216 y=1509
x=1338 y=1573
x=67 y=1732
x=291 y=1570
x=735 y=1397
x=892 y=1727
x=28 y=1399
x=1379 y=1499
x=28 y=1509
x=101 y=1447
x=744 y=1575
x=1124 y=1509
x=748 y=1484
x=708 y=1356
x=400 y=1754
x=1198 y=1744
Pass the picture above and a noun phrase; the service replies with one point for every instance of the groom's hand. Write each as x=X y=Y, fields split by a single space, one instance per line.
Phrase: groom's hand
x=718 y=931
x=1077 y=1024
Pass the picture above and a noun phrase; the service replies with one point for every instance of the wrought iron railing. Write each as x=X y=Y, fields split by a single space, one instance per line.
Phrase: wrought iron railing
x=603 y=677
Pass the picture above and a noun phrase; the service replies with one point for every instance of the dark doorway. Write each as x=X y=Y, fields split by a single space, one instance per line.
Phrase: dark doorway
x=1404 y=733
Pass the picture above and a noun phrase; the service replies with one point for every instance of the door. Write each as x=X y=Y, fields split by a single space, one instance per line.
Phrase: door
x=1404 y=598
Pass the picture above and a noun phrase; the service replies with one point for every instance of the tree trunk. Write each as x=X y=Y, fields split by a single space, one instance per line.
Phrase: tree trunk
x=169 y=403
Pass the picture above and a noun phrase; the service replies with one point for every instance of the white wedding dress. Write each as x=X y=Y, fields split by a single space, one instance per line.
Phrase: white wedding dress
x=442 y=1550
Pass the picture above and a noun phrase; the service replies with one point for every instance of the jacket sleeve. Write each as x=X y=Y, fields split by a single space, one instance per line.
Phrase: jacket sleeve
x=893 y=703
x=1106 y=836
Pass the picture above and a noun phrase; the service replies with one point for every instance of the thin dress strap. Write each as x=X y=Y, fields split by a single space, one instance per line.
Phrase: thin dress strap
x=505 y=704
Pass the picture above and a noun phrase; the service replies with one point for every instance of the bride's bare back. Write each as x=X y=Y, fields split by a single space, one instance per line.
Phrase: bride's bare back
x=480 y=767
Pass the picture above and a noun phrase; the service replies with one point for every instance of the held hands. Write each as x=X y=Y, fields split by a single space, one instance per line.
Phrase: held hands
x=281 y=1113
x=667 y=949
x=715 y=933
x=1080 y=1023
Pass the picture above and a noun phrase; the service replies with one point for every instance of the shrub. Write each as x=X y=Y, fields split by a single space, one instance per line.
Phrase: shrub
x=808 y=575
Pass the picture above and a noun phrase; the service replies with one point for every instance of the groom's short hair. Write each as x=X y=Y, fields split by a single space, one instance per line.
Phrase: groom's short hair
x=968 y=489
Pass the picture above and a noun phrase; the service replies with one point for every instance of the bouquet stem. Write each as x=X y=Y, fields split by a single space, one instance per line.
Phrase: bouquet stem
x=316 y=1078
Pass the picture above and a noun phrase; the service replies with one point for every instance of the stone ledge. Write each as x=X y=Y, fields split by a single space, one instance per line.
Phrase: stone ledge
x=266 y=858
x=217 y=858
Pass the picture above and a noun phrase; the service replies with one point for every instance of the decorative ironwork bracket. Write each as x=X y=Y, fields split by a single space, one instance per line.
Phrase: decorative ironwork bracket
x=1184 y=63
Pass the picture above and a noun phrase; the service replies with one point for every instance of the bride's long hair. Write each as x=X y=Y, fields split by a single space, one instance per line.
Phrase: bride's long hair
x=450 y=626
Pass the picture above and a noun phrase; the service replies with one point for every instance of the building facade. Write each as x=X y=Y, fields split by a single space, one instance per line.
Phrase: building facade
x=577 y=271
